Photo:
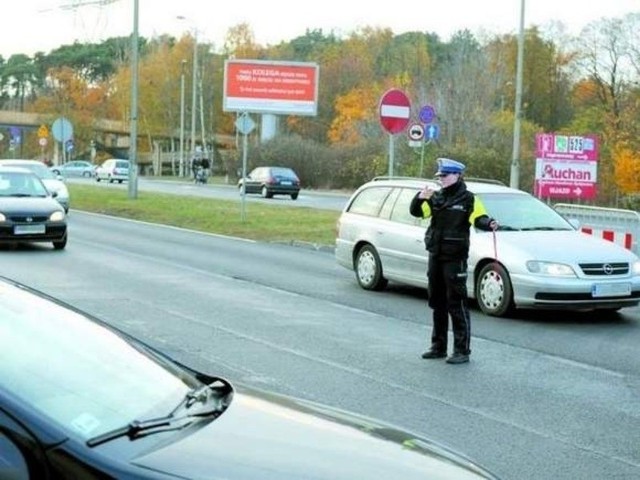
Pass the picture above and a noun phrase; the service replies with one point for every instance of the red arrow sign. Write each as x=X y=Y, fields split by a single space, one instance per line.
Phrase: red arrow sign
x=395 y=111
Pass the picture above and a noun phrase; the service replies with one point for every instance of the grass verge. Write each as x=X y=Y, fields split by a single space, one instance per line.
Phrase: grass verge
x=262 y=222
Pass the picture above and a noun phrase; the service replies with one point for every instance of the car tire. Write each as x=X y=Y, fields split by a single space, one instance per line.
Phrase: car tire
x=494 y=292
x=368 y=268
x=110 y=179
x=60 y=244
x=265 y=192
x=97 y=179
x=86 y=174
x=294 y=196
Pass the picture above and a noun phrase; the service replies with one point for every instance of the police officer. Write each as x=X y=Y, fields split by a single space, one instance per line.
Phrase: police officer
x=453 y=209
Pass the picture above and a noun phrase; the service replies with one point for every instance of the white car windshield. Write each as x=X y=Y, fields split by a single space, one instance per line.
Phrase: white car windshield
x=522 y=212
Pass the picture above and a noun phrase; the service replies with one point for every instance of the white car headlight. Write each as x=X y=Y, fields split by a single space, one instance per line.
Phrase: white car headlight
x=56 y=217
x=2 y=218
x=635 y=268
x=550 y=268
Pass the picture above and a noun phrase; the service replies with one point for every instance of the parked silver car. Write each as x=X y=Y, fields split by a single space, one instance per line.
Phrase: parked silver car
x=74 y=168
x=536 y=259
x=52 y=181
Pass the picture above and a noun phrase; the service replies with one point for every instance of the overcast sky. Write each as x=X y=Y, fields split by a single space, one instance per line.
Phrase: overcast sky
x=43 y=25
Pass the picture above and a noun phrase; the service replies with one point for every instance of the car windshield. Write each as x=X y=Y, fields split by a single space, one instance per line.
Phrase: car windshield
x=17 y=184
x=522 y=212
x=40 y=169
x=82 y=375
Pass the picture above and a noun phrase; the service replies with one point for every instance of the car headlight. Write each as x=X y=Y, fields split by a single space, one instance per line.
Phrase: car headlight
x=56 y=216
x=550 y=268
x=2 y=218
x=635 y=267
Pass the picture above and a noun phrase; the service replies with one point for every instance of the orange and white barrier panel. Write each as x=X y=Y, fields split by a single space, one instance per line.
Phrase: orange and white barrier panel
x=623 y=239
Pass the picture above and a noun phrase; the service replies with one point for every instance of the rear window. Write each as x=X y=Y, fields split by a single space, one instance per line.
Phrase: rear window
x=122 y=164
x=283 y=172
x=369 y=201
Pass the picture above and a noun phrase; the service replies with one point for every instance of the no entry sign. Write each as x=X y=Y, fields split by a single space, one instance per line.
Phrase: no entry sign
x=395 y=111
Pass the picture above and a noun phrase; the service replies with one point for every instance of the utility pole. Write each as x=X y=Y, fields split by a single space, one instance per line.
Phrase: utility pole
x=182 y=163
x=514 y=181
x=133 y=142
x=194 y=93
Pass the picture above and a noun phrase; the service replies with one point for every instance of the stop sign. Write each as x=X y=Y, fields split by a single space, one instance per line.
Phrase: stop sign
x=395 y=111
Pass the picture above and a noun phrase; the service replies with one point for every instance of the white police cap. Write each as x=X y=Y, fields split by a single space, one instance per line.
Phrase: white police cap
x=447 y=165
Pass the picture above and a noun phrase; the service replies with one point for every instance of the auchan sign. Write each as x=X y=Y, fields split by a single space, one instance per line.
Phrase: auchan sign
x=287 y=88
x=566 y=166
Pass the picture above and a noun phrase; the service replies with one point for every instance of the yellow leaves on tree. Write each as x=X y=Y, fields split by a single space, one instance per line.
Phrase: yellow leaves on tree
x=353 y=112
x=70 y=95
x=627 y=169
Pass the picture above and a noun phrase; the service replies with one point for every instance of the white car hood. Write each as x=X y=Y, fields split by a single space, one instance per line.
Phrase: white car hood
x=565 y=246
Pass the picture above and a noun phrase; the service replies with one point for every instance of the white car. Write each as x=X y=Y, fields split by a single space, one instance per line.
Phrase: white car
x=536 y=259
x=113 y=170
x=52 y=181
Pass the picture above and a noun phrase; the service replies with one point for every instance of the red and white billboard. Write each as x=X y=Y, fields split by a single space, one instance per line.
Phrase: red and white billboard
x=566 y=166
x=258 y=86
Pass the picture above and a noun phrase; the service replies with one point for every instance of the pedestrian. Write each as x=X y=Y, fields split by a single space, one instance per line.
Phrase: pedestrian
x=196 y=163
x=206 y=165
x=453 y=210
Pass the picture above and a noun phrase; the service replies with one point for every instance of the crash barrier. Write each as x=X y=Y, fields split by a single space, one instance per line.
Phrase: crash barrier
x=613 y=224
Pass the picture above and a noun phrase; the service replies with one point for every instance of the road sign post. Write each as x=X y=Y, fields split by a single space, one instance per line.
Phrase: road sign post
x=245 y=126
x=395 y=112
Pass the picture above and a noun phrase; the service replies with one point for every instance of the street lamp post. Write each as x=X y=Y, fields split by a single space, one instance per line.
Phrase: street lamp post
x=194 y=87
x=133 y=142
x=182 y=169
x=514 y=181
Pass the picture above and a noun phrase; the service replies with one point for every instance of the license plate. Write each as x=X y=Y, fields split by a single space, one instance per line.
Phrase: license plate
x=286 y=182
x=611 y=290
x=28 y=229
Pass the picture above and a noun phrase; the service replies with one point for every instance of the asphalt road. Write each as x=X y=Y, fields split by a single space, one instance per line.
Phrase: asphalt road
x=546 y=395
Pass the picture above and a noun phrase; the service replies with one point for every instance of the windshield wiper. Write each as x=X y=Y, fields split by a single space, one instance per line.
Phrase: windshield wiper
x=507 y=228
x=172 y=421
x=544 y=228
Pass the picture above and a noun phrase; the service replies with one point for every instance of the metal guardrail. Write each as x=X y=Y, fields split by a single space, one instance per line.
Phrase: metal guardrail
x=613 y=224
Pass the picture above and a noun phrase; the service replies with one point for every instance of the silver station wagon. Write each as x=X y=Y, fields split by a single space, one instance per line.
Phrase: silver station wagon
x=536 y=259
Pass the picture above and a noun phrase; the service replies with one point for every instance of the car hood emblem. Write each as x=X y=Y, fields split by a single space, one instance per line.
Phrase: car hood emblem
x=608 y=269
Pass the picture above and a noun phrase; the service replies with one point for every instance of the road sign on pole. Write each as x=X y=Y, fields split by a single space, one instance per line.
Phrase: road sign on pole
x=427 y=114
x=395 y=111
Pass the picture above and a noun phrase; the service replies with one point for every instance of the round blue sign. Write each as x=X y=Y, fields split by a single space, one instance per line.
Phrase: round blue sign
x=427 y=114
x=62 y=130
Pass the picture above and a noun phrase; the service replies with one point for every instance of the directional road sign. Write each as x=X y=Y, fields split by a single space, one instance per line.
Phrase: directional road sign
x=432 y=131
x=395 y=111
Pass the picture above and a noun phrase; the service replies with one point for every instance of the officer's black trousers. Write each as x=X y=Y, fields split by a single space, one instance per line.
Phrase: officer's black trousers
x=448 y=297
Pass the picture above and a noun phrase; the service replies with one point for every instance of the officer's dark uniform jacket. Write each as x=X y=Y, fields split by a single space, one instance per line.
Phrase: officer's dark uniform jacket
x=453 y=210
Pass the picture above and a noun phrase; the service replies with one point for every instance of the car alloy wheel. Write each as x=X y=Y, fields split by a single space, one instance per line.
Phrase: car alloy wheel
x=369 y=269
x=493 y=291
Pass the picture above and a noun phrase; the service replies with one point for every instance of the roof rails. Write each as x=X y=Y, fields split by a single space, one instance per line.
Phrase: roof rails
x=393 y=177
x=422 y=179
x=485 y=180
